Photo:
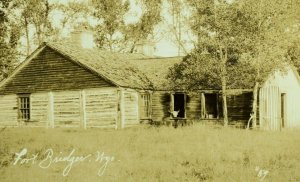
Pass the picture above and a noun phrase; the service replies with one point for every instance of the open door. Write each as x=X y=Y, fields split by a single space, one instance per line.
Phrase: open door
x=179 y=104
x=209 y=106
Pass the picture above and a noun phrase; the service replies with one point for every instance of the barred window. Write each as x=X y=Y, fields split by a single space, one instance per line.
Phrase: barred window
x=24 y=107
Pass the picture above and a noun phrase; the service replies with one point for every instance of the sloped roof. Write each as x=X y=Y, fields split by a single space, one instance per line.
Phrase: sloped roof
x=108 y=65
x=126 y=70
x=156 y=69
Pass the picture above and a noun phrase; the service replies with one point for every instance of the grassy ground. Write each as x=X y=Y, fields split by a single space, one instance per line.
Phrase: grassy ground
x=193 y=153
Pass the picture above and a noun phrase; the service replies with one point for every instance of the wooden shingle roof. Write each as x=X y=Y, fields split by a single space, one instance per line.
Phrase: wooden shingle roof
x=157 y=69
x=125 y=70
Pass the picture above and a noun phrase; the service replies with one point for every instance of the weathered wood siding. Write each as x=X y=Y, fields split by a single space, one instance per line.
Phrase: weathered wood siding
x=52 y=71
x=270 y=108
x=101 y=107
x=66 y=108
x=193 y=106
x=39 y=109
x=160 y=106
x=239 y=106
x=131 y=107
x=270 y=104
x=8 y=110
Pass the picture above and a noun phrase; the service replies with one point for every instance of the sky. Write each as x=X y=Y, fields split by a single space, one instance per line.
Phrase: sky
x=164 y=47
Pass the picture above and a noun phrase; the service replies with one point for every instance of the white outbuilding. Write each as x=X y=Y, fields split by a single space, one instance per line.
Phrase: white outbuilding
x=279 y=101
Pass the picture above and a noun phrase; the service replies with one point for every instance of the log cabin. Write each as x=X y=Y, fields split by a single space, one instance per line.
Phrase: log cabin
x=74 y=84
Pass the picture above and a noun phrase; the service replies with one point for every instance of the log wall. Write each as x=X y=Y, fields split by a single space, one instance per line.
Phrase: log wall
x=193 y=106
x=160 y=106
x=101 y=107
x=239 y=106
x=131 y=107
x=39 y=109
x=8 y=110
x=66 y=108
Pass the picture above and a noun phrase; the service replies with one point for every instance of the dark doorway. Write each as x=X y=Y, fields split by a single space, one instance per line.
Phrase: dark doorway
x=211 y=106
x=283 y=109
x=179 y=104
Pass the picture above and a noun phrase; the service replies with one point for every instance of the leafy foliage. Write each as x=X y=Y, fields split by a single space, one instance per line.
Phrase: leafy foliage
x=8 y=41
x=141 y=30
x=110 y=14
x=112 y=31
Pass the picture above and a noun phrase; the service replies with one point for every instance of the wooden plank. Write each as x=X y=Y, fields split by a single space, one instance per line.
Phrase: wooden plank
x=82 y=108
x=9 y=111
x=51 y=109
x=131 y=106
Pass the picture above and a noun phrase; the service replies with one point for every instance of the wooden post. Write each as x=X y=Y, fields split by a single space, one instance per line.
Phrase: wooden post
x=51 y=109
x=139 y=107
x=122 y=108
x=171 y=104
x=82 y=109
x=203 y=110
x=150 y=104
x=254 y=105
x=118 y=116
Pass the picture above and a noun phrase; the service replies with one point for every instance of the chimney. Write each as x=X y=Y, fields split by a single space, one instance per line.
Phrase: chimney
x=83 y=38
x=145 y=47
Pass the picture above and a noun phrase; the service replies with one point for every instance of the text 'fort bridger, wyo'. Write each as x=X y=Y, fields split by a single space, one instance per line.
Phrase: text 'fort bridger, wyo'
x=48 y=158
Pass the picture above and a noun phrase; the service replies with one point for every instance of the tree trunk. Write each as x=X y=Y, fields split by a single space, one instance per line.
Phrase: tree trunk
x=254 y=104
x=224 y=83
x=27 y=37
x=224 y=99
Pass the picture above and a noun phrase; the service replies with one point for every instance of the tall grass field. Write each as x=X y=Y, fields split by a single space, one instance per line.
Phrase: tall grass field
x=148 y=153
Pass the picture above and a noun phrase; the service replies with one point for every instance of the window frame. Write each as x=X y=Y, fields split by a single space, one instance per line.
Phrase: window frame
x=24 y=107
x=145 y=97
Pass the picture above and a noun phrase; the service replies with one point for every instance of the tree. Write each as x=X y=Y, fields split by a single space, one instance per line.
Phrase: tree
x=110 y=15
x=268 y=39
x=178 y=27
x=9 y=36
x=32 y=15
x=245 y=37
x=114 y=33
x=142 y=29
x=219 y=29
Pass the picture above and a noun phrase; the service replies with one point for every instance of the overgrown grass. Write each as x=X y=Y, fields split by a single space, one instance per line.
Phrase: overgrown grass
x=145 y=153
